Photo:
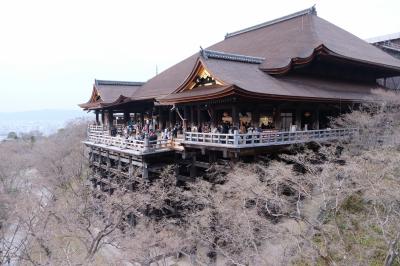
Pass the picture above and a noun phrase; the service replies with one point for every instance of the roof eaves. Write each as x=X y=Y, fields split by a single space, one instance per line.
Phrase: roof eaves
x=312 y=10
x=231 y=57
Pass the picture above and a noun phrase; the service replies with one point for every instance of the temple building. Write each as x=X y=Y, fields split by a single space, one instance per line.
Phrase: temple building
x=272 y=84
x=390 y=44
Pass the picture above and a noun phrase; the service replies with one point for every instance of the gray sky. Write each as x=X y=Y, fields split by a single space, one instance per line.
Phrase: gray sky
x=52 y=50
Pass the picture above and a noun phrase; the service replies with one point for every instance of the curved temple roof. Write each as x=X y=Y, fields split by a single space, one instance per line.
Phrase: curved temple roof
x=248 y=59
x=106 y=92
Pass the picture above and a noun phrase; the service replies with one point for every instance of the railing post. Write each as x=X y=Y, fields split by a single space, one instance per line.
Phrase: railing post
x=236 y=138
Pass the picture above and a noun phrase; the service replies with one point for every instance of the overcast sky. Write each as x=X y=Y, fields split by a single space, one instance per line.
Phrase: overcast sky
x=52 y=50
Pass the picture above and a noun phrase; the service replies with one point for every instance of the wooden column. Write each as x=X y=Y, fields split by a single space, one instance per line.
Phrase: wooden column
x=161 y=118
x=126 y=117
x=130 y=167
x=103 y=120
x=97 y=117
x=213 y=118
x=255 y=116
x=186 y=117
x=142 y=118
x=145 y=171
x=235 y=116
x=277 y=118
x=191 y=123
x=108 y=161
x=193 y=170
x=170 y=118
x=198 y=115
x=298 y=117
x=110 y=119
x=316 y=118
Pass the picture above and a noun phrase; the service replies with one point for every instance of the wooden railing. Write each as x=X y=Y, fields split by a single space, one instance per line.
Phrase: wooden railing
x=266 y=138
x=98 y=135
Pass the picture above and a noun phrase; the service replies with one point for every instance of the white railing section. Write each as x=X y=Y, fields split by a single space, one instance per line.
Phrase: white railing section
x=98 y=135
x=266 y=138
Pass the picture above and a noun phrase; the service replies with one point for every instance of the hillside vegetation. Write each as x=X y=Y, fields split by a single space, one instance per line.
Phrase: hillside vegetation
x=331 y=204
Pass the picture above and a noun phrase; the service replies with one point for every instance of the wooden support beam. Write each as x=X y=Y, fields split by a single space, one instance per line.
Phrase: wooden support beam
x=142 y=118
x=191 y=123
x=145 y=171
x=316 y=118
x=161 y=118
x=193 y=169
x=170 y=119
x=102 y=117
x=130 y=167
x=255 y=117
x=91 y=156
x=186 y=118
x=212 y=115
x=108 y=161
x=235 y=116
x=119 y=165
x=127 y=117
x=278 y=118
x=198 y=107
x=110 y=119
x=97 y=117
x=298 y=117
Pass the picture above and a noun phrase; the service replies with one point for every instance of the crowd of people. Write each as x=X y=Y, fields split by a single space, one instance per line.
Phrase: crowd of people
x=228 y=128
x=138 y=131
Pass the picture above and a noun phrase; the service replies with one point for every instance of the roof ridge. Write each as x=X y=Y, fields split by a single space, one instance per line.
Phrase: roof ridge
x=231 y=57
x=118 y=83
x=312 y=10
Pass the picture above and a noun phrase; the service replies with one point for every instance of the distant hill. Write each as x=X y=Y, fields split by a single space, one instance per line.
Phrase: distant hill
x=45 y=121
x=43 y=115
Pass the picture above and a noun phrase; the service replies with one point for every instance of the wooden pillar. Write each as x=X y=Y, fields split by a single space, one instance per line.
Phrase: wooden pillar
x=235 y=116
x=130 y=167
x=316 y=118
x=170 y=118
x=99 y=158
x=127 y=117
x=198 y=115
x=97 y=117
x=298 y=117
x=110 y=119
x=142 y=118
x=91 y=156
x=278 y=118
x=186 y=117
x=161 y=118
x=174 y=117
x=103 y=120
x=145 y=171
x=193 y=170
x=119 y=165
x=191 y=116
x=108 y=161
x=213 y=118
x=255 y=117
